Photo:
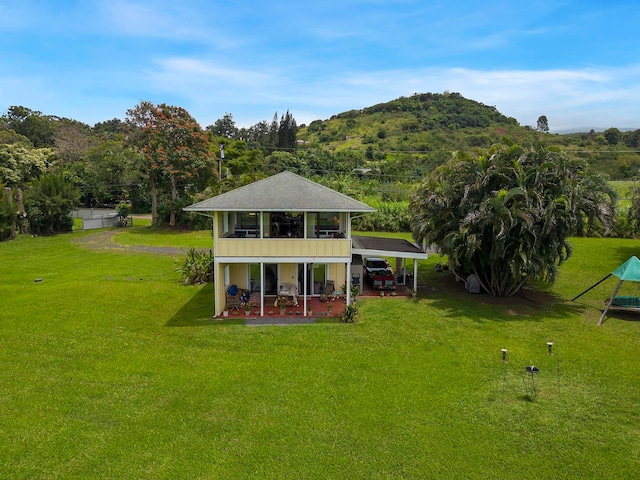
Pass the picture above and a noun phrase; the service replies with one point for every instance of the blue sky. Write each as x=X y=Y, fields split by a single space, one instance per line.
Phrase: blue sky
x=577 y=62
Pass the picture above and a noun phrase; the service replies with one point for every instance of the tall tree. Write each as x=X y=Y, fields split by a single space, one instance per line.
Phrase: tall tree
x=507 y=216
x=72 y=139
x=224 y=127
x=287 y=131
x=612 y=135
x=543 y=124
x=112 y=172
x=140 y=120
x=38 y=128
x=19 y=164
x=272 y=136
x=175 y=147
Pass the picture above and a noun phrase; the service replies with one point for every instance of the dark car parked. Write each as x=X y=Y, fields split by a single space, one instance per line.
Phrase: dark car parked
x=378 y=273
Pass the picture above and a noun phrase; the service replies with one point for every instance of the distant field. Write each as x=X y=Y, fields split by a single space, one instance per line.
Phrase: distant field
x=624 y=189
x=112 y=369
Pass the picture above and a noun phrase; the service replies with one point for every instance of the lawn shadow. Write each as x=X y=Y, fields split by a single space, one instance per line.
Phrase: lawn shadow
x=624 y=253
x=533 y=303
x=624 y=315
x=198 y=312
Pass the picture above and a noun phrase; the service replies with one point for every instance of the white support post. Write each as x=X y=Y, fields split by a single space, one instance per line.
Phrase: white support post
x=262 y=289
x=348 y=283
x=610 y=302
x=304 y=288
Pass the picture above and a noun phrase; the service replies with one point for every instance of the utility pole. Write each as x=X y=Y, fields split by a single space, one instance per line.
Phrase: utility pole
x=220 y=159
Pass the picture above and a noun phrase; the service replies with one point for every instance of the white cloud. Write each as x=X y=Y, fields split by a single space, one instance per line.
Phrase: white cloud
x=567 y=97
x=174 y=21
x=586 y=96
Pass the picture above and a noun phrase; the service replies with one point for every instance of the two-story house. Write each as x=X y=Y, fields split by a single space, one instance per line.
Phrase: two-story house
x=283 y=230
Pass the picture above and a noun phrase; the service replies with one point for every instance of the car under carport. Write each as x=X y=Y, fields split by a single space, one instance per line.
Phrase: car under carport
x=398 y=248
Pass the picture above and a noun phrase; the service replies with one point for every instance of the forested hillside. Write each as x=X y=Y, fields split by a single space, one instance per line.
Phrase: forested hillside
x=377 y=154
x=409 y=136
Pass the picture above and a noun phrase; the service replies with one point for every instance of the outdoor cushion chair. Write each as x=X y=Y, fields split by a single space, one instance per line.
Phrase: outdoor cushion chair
x=234 y=297
x=327 y=290
x=288 y=294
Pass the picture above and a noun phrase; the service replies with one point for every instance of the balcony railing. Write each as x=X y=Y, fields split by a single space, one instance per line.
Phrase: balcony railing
x=282 y=247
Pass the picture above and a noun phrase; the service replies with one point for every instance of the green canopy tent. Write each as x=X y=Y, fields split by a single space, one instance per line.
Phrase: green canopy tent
x=629 y=270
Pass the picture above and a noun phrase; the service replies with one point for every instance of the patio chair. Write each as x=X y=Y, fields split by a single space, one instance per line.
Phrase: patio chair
x=234 y=298
x=327 y=290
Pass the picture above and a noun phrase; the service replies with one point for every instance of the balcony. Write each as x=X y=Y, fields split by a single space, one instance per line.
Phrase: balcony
x=251 y=248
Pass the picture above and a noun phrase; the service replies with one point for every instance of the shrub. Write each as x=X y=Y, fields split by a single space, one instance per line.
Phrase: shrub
x=7 y=214
x=49 y=203
x=183 y=219
x=351 y=313
x=197 y=267
x=389 y=217
x=123 y=209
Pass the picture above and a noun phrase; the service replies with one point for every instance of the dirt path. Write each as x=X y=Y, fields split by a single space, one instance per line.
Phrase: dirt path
x=105 y=240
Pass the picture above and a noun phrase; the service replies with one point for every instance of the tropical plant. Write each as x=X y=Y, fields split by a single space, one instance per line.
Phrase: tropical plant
x=507 y=216
x=633 y=213
x=49 y=202
x=7 y=213
x=350 y=314
x=196 y=267
x=388 y=217
x=247 y=305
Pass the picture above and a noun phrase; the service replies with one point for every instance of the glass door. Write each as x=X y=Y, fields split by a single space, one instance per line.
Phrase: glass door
x=270 y=280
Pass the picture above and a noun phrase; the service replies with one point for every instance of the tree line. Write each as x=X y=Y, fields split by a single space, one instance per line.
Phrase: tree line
x=157 y=159
x=504 y=213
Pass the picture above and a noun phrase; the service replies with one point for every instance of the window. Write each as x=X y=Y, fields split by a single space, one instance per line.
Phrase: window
x=286 y=225
x=319 y=277
x=327 y=224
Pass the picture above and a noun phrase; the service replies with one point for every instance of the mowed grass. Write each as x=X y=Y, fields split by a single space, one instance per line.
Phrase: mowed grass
x=164 y=238
x=112 y=369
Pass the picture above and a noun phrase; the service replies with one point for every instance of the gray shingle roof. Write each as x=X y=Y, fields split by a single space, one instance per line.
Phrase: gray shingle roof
x=285 y=191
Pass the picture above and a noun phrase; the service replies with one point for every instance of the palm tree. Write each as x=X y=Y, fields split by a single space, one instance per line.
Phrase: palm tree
x=507 y=216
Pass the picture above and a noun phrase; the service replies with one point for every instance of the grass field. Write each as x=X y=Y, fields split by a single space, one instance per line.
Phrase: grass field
x=112 y=369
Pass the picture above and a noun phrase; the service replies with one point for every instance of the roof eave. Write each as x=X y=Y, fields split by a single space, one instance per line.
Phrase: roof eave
x=209 y=209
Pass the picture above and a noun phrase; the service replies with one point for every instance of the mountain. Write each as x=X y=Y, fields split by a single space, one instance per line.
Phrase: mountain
x=420 y=132
x=588 y=129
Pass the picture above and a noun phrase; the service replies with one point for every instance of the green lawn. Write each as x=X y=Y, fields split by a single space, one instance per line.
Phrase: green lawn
x=112 y=369
x=151 y=237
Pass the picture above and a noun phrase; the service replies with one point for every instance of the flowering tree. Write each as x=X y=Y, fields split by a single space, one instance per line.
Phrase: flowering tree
x=176 y=150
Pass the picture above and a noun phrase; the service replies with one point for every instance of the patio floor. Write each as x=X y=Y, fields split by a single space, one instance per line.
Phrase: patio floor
x=318 y=308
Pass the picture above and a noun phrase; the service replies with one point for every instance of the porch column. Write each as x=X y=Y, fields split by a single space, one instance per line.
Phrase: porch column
x=348 y=283
x=262 y=289
x=304 y=286
x=415 y=275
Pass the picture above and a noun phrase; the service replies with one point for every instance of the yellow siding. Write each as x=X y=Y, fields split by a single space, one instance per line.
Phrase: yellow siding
x=337 y=274
x=238 y=275
x=260 y=248
x=288 y=273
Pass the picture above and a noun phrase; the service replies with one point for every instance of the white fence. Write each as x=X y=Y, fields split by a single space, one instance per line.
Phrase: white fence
x=96 y=217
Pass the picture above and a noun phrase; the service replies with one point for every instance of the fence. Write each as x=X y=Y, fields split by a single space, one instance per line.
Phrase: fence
x=96 y=217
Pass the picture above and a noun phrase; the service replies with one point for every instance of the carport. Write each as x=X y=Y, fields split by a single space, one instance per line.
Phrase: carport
x=398 y=248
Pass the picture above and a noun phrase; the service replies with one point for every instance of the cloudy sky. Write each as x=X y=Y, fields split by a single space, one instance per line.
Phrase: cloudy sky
x=577 y=62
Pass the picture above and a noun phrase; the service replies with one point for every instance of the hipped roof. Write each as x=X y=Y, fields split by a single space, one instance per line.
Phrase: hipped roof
x=284 y=191
x=629 y=270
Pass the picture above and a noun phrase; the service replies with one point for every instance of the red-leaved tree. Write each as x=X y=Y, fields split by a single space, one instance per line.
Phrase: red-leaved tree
x=176 y=150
